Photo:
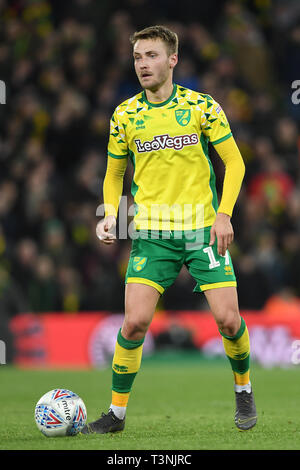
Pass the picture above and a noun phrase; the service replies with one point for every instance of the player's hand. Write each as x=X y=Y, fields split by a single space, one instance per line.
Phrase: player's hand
x=222 y=229
x=105 y=230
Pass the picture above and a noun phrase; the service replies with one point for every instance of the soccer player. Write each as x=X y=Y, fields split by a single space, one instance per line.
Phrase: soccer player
x=165 y=130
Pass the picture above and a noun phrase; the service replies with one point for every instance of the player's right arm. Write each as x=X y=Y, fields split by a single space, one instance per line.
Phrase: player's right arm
x=112 y=192
x=113 y=181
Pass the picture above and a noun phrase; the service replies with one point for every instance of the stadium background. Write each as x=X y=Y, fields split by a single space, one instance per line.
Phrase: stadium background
x=66 y=65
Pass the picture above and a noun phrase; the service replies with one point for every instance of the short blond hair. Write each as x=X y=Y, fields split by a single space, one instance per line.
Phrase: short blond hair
x=158 y=32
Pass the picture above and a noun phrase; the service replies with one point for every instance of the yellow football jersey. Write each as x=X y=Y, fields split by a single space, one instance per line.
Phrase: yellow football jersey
x=174 y=182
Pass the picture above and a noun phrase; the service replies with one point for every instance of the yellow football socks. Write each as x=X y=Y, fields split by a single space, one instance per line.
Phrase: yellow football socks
x=237 y=349
x=125 y=365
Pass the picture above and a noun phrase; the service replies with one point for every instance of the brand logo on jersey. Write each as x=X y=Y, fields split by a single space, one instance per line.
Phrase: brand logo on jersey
x=183 y=116
x=140 y=124
x=161 y=142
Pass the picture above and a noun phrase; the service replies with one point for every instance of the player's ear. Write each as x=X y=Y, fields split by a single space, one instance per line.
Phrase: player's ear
x=173 y=59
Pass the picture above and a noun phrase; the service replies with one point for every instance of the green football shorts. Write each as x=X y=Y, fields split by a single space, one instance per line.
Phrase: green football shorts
x=157 y=257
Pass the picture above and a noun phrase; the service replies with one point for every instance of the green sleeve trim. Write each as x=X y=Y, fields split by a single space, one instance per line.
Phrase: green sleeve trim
x=117 y=156
x=239 y=333
x=128 y=344
x=222 y=139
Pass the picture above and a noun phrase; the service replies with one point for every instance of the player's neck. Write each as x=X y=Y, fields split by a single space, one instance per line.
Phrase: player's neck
x=163 y=93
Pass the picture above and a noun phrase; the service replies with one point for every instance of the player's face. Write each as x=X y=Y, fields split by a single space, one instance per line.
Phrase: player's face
x=152 y=63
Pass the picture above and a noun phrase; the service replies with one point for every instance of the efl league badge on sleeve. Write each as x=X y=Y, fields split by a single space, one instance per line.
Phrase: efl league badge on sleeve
x=222 y=116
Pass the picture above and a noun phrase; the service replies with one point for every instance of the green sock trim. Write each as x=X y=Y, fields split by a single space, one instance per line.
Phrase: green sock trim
x=122 y=383
x=239 y=333
x=128 y=344
x=240 y=366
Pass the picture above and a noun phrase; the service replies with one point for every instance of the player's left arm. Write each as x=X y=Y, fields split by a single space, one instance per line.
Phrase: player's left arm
x=234 y=174
x=216 y=129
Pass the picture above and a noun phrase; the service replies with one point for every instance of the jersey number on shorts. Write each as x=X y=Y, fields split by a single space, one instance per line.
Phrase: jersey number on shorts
x=213 y=263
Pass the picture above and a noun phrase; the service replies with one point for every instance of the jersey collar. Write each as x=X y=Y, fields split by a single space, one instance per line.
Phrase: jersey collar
x=163 y=103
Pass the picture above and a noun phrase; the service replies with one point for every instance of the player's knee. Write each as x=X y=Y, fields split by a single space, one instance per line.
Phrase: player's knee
x=229 y=324
x=134 y=330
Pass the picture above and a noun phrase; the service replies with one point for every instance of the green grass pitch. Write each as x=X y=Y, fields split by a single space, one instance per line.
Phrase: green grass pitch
x=177 y=403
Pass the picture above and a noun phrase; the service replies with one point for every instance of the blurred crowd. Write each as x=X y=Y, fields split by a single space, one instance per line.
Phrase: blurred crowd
x=66 y=66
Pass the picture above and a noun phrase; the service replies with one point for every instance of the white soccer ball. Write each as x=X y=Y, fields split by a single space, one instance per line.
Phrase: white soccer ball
x=60 y=412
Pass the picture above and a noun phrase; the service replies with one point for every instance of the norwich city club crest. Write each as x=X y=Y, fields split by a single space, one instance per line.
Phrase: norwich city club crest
x=139 y=263
x=183 y=116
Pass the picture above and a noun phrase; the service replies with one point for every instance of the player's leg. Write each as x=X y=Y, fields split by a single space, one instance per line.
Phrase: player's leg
x=223 y=303
x=140 y=304
x=215 y=277
x=153 y=266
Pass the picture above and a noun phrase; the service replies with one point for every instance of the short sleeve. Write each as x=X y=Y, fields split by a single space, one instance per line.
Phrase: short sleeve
x=214 y=122
x=117 y=144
